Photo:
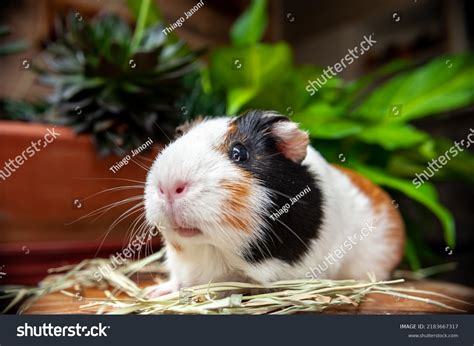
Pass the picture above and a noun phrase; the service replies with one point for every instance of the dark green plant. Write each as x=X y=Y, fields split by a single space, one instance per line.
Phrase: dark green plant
x=198 y=101
x=120 y=86
x=22 y=110
x=366 y=122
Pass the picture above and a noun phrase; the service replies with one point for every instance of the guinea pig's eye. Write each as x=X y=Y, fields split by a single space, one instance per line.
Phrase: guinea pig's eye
x=239 y=153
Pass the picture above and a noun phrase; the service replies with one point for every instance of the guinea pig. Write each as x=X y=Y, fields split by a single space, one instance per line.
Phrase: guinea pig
x=248 y=199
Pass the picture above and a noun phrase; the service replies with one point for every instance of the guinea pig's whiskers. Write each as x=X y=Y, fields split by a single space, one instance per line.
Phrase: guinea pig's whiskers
x=148 y=248
x=269 y=253
x=145 y=159
x=268 y=227
x=113 y=189
x=104 y=209
x=147 y=169
x=139 y=164
x=166 y=135
x=263 y=238
x=257 y=244
x=143 y=230
x=132 y=210
x=215 y=220
x=116 y=204
x=135 y=209
x=223 y=231
x=133 y=223
x=139 y=249
x=272 y=155
x=133 y=226
x=120 y=179
x=277 y=192
x=122 y=217
x=140 y=231
x=293 y=232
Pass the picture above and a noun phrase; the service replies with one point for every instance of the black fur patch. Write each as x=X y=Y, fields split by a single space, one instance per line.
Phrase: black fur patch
x=289 y=235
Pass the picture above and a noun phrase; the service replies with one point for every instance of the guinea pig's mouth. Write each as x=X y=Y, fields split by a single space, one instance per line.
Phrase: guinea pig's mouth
x=187 y=232
x=183 y=228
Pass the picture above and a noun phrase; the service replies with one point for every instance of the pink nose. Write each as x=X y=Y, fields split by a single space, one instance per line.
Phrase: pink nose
x=173 y=190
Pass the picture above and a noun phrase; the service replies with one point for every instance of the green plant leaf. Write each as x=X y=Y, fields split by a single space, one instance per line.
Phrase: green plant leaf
x=286 y=94
x=336 y=129
x=355 y=89
x=425 y=195
x=250 y=26
x=393 y=136
x=238 y=97
x=443 y=84
x=320 y=112
x=141 y=24
x=459 y=162
x=239 y=70
x=256 y=65
x=404 y=164
x=411 y=255
x=325 y=121
x=153 y=14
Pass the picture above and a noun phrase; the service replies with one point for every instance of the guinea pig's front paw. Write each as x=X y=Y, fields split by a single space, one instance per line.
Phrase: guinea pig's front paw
x=161 y=289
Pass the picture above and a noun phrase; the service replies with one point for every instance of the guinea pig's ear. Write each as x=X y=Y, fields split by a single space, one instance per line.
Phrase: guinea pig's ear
x=290 y=140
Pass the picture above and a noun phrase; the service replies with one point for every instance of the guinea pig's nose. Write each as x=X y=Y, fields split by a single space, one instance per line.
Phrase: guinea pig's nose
x=173 y=190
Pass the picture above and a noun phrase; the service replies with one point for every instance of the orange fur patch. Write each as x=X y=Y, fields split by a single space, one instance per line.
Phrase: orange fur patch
x=177 y=247
x=224 y=146
x=235 y=206
x=381 y=201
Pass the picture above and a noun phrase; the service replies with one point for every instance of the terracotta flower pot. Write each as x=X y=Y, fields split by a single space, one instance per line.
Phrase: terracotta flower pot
x=44 y=187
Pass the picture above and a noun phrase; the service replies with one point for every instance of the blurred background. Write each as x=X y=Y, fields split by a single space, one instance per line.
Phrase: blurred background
x=108 y=76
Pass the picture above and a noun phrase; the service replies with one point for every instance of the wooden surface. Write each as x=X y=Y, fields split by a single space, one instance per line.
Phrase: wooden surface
x=58 y=303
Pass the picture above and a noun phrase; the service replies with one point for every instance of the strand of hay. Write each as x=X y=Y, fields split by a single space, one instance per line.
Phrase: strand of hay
x=283 y=297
